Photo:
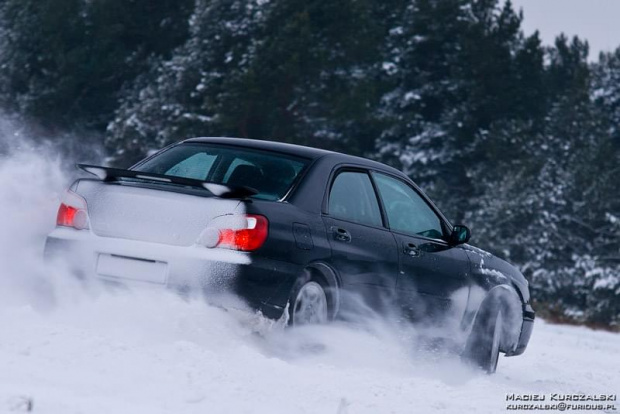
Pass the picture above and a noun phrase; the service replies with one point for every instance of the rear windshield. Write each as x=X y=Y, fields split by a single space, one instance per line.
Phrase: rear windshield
x=271 y=174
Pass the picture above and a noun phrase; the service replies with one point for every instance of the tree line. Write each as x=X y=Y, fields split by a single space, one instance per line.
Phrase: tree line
x=519 y=140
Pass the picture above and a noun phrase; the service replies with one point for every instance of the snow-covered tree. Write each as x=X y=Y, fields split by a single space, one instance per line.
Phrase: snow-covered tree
x=456 y=68
x=64 y=61
x=551 y=207
x=183 y=96
x=292 y=70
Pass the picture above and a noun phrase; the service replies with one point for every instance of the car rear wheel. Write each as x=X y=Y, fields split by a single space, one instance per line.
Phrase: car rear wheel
x=483 y=346
x=309 y=304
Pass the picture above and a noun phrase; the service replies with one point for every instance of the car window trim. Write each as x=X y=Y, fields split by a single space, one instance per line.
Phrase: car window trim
x=420 y=237
x=340 y=168
x=298 y=180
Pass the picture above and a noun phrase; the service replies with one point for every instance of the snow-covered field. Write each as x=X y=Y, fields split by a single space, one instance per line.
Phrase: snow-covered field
x=151 y=352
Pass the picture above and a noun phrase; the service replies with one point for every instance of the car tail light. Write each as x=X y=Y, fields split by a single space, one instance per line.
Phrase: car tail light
x=245 y=232
x=73 y=212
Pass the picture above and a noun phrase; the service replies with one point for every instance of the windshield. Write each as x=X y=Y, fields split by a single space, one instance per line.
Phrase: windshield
x=271 y=174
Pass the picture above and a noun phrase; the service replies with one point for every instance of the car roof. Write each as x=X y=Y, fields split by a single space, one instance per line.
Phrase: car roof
x=292 y=149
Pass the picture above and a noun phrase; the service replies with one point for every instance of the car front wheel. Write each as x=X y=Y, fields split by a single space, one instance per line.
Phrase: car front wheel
x=482 y=348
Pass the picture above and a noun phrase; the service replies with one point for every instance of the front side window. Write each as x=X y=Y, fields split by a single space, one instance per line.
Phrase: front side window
x=406 y=210
x=271 y=174
x=353 y=198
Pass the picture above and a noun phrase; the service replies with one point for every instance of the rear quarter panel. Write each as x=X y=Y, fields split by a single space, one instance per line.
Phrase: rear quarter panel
x=296 y=239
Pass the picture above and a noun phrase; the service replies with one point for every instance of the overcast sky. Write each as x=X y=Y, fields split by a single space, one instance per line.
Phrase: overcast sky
x=598 y=21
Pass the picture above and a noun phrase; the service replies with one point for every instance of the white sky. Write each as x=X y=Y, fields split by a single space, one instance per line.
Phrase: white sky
x=598 y=21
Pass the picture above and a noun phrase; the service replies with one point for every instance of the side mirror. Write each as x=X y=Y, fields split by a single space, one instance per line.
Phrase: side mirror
x=460 y=234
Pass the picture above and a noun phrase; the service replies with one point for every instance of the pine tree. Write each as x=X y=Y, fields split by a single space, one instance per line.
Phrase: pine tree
x=64 y=61
x=457 y=67
x=550 y=207
x=313 y=77
x=297 y=71
x=184 y=96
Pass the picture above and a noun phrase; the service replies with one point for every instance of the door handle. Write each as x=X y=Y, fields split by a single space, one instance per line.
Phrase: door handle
x=341 y=234
x=411 y=250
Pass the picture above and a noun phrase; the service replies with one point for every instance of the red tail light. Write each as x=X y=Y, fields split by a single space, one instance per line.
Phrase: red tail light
x=245 y=232
x=72 y=212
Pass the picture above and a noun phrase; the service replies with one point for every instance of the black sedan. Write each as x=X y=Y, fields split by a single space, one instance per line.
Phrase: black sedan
x=298 y=233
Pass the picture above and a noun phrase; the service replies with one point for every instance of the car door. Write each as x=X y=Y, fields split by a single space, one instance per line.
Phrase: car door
x=363 y=250
x=433 y=277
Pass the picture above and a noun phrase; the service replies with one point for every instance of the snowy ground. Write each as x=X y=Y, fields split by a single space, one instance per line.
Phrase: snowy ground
x=150 y=352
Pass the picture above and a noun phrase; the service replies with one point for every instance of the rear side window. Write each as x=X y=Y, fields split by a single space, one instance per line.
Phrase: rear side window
x=353 y=198
x=271 y=174
x=406 y=210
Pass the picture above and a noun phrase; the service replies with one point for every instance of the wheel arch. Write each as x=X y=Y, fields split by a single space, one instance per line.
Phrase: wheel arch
x=331 y=283
x=509 y=302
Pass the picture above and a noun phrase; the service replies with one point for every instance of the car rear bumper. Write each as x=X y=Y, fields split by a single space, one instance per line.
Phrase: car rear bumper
x=526 y=330
x=263 y=283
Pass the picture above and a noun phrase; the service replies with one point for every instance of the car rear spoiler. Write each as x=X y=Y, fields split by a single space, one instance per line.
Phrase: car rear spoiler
x=108 y=174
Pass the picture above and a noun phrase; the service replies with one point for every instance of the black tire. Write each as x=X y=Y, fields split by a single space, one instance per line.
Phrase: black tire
x=309 y=302
x=483 y=345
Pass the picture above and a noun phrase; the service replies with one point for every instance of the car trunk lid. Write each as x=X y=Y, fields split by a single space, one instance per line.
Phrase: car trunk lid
x=159 y=213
